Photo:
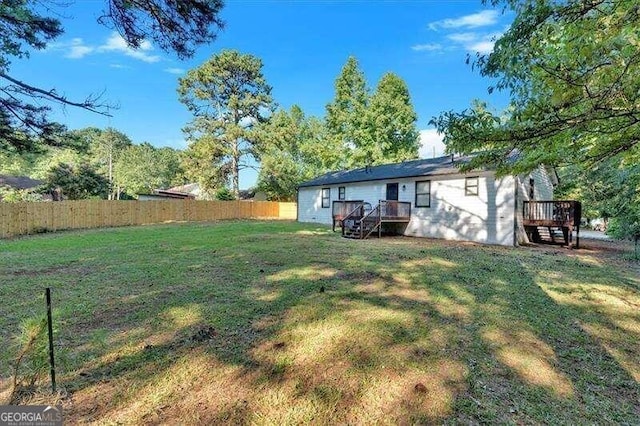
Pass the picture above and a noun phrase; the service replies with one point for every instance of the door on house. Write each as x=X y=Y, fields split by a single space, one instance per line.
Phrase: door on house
x=392 y=195
x=392 y=191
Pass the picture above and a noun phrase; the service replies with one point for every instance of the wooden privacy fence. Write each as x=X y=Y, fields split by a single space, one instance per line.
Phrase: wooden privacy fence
x=28 y=218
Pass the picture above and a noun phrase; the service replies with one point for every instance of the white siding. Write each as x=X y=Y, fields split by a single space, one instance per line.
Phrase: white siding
x=310 y=205
x=542 y=191
x=487 y=217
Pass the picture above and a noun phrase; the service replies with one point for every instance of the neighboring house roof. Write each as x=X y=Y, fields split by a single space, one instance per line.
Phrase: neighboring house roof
x=189 y=188
x=425 y=167
x=162 y=193
x=172 y=194
x=19 y=182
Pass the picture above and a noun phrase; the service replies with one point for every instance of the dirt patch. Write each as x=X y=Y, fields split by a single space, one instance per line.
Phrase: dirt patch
x=204 y=333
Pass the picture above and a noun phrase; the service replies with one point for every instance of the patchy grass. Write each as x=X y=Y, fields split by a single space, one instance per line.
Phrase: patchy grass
x=226 y=322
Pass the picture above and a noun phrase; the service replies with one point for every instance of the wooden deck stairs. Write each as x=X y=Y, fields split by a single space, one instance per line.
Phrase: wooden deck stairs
x=363 y=221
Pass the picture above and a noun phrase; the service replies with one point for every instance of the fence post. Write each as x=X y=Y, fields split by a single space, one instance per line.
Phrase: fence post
x=50 y=329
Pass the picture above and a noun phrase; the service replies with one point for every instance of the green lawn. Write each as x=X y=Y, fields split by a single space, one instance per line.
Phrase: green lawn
x=227 y=322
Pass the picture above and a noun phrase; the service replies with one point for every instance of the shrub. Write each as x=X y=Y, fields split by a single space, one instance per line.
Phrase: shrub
x=223 y=194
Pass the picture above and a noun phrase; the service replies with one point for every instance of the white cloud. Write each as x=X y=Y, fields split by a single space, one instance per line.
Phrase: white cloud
x=73 y=49
x=469 y=35
x=475 y=42
x=483 y=47
x=115 y=43
x=463 y=37
x=428 y=47
x=431 y=144
x=174 y=70
x=78 y=49
x=481 y=19
x=119 y=66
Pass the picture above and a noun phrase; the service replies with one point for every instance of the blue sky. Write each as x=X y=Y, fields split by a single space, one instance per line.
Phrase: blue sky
x=303 y=45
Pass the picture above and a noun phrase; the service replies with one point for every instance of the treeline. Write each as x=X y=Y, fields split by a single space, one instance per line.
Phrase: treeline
x=236 y=125
x=94 y=163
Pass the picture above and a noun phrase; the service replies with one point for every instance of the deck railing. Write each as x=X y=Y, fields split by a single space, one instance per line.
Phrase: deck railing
x=360 y=210
x=395 y=209
x=343 y=207
x=552 y=213
x=340 y=209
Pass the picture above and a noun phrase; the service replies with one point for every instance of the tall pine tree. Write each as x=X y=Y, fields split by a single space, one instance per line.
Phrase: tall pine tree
x=391 y=123
x=372 y=129
x=227 y=95
x=346 y=114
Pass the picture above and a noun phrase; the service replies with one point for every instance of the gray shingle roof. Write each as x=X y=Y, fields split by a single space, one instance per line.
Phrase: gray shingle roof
x=19 y=182
x=425 y=167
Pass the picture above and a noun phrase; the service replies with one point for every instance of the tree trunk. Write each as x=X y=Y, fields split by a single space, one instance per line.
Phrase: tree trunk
x=110 y=173
x=235 y=170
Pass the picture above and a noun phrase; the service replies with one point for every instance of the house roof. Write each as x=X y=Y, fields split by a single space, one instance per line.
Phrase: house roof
x=19 y=182
x=424 y=167
x=189 y=188
x=165 y=193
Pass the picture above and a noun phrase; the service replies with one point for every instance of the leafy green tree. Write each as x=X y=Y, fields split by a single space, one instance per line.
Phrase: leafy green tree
x=391 y=124
x=102 y=149
x=143 y=168
x=345 y=119
x=372 y=129
x=15 y=164
x=610 y=190
x=105 y=151
x=573 y=71
x=293 y=148
x=176 y=26
x=77 y=182
x=54 y=156
x=227 y=95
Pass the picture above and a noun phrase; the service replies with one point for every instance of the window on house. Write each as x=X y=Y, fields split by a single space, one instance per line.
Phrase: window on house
x=326 y=196
x=423 y=193
x=532 y=191
x=341 y=193
x=471 y=186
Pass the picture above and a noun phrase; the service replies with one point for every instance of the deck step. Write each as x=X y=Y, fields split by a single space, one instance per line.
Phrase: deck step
x=353 y=231
x=548 y=234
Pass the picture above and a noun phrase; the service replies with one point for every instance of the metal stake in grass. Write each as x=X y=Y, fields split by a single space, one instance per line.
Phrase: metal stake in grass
x=50 y=326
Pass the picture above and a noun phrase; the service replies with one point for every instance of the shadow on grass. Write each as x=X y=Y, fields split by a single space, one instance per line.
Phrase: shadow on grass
x=406 y=330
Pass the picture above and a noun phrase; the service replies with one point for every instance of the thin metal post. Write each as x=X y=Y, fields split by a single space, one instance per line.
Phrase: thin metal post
x=50 y=326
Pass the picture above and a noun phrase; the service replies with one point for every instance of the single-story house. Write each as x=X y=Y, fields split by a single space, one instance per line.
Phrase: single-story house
x=432 y=198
